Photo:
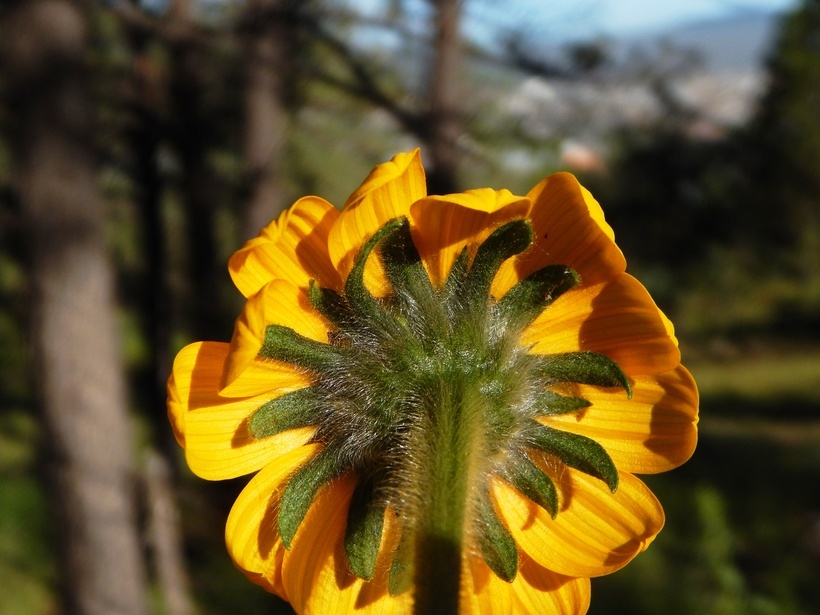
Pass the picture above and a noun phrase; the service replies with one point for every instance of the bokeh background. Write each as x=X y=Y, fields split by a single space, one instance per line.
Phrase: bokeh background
x=142 y=142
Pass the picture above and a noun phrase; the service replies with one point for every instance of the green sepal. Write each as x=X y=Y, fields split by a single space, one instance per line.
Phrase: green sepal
x=356 y=293
x=526 y=300
x=453 y=285
x=550 y=403
x=582 y=367
x=284 y=344
x=403 y=264
x=530 y=480
x=330 y=304
x=297 y=409
x=302 y=488
x=504 y=242
x=400 y=576
x=579 y=452
x=495 y=542
x=414 y=294
x=363 y=533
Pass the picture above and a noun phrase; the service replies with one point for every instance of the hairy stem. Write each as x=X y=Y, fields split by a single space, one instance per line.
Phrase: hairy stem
x=446 y=484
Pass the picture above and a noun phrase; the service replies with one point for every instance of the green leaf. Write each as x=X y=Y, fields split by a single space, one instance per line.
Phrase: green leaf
x=497 y=546
x=302 y=489
x=551 y=403
x=506 y=241
x=582 y=367
x=530 y=480
x=363 y=533
x=579 y=452
x=526 y=300
x=297 y=409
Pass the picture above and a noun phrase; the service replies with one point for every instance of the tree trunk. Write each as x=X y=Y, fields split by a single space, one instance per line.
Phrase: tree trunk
x=444 y=110
x=77 y=354
x=148 y=105
x=165 y=537
x=192 y=139
x=265 y=119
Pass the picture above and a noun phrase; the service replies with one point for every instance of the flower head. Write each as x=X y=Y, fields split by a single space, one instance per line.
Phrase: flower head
x=444 y=399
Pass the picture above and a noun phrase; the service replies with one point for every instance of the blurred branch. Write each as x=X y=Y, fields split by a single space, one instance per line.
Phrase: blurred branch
x=365 y=85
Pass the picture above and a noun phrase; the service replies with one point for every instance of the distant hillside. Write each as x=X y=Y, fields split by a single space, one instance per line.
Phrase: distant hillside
x=737 y=43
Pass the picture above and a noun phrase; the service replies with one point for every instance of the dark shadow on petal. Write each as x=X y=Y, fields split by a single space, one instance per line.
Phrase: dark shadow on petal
x=540 y=578
x=623 y=554
x=205 y=380
x=315 y=264
x=344 y=577
x=242 y=436
x=673 y=431
x=557 y=471
x=268 y=530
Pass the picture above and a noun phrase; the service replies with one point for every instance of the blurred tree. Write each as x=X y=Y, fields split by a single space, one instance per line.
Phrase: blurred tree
x=196 y=85
x=782 y=146
x=77 y=355
x=442 y=127
x=265 y=31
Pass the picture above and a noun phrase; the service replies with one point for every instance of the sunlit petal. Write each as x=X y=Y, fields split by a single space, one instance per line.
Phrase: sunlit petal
x=653 y=432
x=217 y=442
x=594 y=533
x=316 y=574
x=617 y=318
x=444 y=225
x=281 y=303
x=293 y=248
x=387 y=193
x=251 y=532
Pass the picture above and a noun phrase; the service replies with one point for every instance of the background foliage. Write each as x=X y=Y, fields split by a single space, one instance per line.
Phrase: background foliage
x=725 y=232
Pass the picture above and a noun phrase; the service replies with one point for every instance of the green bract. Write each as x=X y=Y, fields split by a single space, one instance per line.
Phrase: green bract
x=428 y=392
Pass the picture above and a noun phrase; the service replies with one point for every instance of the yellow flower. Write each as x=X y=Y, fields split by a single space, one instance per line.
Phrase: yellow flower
x=444 y=398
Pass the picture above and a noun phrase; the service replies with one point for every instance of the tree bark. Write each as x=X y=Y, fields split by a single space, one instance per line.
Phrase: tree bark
x=165 y=537
x=77 y=354
x=265 y=43
x=444 y=110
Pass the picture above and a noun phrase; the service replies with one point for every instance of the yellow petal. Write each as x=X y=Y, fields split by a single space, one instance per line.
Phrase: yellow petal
x=216 y=438
x=315 y=571
x=444 y=225
x=538 y=590
x=481 y=591
x=534 y=590
x=617 y=318
x=569 y=228
x=653 y=432
x=595 y=531
x=278 y=303
x=387 y=193
x=178 y=392
x=251 y=532
x=293 y=248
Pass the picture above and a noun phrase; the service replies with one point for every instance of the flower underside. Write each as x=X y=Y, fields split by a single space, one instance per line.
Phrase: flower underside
x=426 y=394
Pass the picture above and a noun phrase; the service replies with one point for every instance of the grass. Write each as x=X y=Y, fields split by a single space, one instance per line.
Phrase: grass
x=763 y=376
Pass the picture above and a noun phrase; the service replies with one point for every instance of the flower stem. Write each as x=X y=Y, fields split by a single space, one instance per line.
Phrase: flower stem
x=445 y=484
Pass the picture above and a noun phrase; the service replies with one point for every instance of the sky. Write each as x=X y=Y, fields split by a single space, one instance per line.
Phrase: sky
x=626 y=17
x=585 y=19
